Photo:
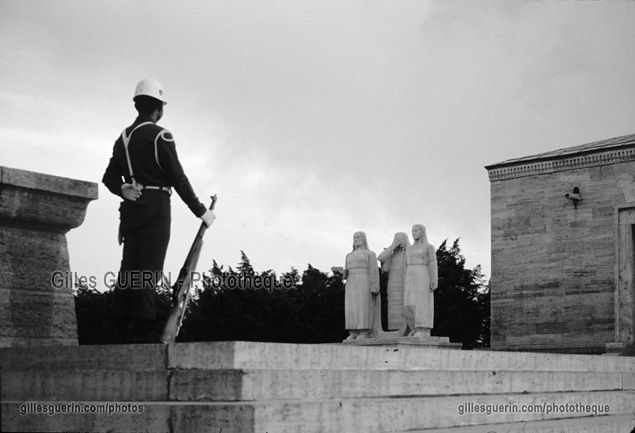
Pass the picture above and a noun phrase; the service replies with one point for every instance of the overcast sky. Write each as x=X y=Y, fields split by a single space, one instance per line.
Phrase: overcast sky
x=312 y=119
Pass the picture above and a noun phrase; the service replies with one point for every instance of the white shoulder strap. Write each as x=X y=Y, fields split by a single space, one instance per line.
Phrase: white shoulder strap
x=166 y=136
x=126 y=140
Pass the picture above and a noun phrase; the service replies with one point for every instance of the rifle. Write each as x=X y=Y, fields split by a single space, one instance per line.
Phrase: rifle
x=181 y=289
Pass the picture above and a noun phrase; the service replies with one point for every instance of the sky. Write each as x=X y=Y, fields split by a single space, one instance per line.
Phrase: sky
x=312 y=120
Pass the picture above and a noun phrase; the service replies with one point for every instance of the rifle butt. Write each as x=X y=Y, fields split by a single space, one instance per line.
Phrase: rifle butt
x=170 y=329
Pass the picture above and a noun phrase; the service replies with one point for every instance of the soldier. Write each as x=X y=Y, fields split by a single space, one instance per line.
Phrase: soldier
x=143 y=169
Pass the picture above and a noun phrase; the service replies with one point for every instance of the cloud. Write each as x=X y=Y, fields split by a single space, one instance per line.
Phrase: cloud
x=312 y=120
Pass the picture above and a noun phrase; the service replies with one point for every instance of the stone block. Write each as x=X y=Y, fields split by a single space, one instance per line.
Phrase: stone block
x=253 y=355
x=43 y=201
x=219 y=418
x=131 y=357
x=628 y=381
x=33 y=259
x=33 y=318
x=125 y=417
x=262 y=385
x=379 y=415
x=85 y=385
x=587 y=424
x=36 y=211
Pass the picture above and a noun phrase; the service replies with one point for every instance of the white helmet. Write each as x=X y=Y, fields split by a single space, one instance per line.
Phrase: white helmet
x=150 y=88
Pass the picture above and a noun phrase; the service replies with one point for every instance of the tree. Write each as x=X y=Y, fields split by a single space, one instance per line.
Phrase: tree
x=243 y=304
x=311 y=311
x=94 y=316
x=244 y=267
x=293 y=276
x=461 y=303
x=313 y=279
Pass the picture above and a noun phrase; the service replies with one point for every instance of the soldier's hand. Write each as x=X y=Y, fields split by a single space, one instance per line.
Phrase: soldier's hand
x=130 y=192
x=208 y=218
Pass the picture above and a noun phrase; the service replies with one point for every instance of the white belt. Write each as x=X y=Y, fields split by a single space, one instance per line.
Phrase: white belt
x=160 y=188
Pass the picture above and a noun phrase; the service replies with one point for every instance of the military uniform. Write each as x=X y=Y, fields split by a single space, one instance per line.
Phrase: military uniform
x=145 y=223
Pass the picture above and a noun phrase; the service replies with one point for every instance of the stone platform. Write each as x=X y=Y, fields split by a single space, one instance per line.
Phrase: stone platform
x=247 y=387
x=431 y=342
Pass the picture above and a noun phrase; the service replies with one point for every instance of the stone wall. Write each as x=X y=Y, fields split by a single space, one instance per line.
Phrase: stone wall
x=36 y=212
x=555 y=261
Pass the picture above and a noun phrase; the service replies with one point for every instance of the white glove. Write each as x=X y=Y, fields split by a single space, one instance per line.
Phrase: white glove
x=208 y=218
x=130 y=192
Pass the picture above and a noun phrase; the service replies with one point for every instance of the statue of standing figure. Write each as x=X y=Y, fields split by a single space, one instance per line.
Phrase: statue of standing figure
x=393 y=261
x=420 y=283
x=361 y=290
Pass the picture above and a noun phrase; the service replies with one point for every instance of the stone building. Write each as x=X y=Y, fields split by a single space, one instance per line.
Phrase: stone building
x=563 y=242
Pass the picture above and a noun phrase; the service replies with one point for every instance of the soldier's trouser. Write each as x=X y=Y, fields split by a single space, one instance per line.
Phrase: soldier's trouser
x=146 y=232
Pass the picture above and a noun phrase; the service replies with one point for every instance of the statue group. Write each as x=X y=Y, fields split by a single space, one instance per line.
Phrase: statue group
x=412 y=279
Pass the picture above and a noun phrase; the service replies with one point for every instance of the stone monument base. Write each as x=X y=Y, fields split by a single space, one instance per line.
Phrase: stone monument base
x=432 y=341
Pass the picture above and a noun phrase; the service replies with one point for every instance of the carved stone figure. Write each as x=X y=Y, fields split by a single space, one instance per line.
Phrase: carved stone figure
x=393 y=261
x=420 y=283
x=362 y=287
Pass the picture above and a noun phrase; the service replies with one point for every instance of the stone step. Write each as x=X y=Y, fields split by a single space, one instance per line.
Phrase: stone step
x=593 y=424
x=254 y=385
x=338 y=356
x=265 y=387
x=370 y=415
x=250 y=385
x=147 y=357
x=276 y=356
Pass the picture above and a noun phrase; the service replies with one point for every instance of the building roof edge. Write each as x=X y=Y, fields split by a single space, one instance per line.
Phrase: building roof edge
x=596 y=146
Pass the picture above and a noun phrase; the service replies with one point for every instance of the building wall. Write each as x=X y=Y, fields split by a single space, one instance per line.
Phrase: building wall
x=553 y=263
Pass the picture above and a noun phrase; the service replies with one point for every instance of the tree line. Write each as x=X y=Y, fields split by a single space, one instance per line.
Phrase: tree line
x=245 y=305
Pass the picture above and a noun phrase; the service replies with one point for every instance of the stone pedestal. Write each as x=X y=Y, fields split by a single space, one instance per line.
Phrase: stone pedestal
x=36 y=211
x=432 y=341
